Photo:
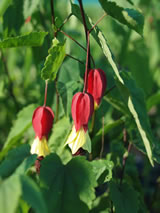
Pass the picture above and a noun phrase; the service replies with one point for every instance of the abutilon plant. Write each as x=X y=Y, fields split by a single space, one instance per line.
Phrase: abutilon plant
x=42 y=122
x=82 y=110
x=96 y=85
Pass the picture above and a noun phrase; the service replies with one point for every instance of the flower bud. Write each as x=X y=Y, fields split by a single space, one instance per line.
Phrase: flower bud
x=97 y=83
x=42 y=121
x=82 y=109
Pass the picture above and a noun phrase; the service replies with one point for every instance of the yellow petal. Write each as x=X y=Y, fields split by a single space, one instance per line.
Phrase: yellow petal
x=40 y=147
x=76 y=139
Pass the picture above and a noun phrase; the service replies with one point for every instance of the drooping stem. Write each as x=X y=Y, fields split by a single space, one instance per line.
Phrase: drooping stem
x=87 y=69
x=86 y=29
x=53 y=15
x=93 y=121
x=45 y=95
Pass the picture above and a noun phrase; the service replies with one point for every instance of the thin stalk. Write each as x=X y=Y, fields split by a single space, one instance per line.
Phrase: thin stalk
x=86 y=70
x=93 y=121
x=53 y=15
x=85 y=29
x=97 y=22
x=76 y=59
x=108 y=91
x=78 y=44
x=65 y=21
x=46 y=89
x=124 y=163
x=102 y=145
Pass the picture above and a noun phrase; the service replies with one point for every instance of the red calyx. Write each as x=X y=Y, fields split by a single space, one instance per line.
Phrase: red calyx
x=42 y=121
x=97 y=83
x=82 y=109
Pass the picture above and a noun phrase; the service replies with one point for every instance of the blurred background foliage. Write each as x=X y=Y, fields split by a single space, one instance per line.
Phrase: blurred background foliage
x=21 y=83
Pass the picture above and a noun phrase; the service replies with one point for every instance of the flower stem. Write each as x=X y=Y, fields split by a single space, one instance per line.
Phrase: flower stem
x=86 y=31
x=53 y=15
x=87 y=61
x=46 y=89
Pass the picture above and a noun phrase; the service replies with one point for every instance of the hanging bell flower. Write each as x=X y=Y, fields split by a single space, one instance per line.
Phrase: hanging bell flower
x=82 y=110
x=96 y=86
x=42 y=122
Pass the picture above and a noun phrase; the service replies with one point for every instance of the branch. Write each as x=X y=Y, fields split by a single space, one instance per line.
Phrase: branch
x=97 y=22
x=76 y=59
x=65 y=21
x=78 y=44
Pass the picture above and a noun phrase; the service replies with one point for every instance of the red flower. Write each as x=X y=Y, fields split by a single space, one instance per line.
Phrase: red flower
x=97 y=83
x=82 y=110
x=42 y=121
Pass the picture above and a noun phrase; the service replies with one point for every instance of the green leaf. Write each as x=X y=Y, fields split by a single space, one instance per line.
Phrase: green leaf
x=23 y=122
x=4 y=4
x=10 y=192
x=29 y=7
x=116 y=103
x=31 y=39
x=103 y=167
x=53 y=60
x=125 y=15
x=13 y=160
x=58 y=138
x=66 y=92
x=153 y=100
x=107 y=128
x=62 y=184
x=124 y=197
x=26 y=165
x=32 y=195
x=134 y=98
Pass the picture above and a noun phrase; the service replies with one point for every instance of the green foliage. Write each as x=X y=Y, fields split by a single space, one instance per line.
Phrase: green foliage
x=124 y=13
x=14 y=159
x=10 y=188
x=103 y=167
x=31 y=39
x=124 y=131
x=32 y=195
x=29 y=7
x=61 y=184
x=135 y=99
x=53 y=60
x=4 y=5
x=124 y=198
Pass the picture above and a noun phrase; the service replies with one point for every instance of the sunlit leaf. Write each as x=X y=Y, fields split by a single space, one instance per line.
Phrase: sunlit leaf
x=53 y=60
x=124 y=13
x=31 y=39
